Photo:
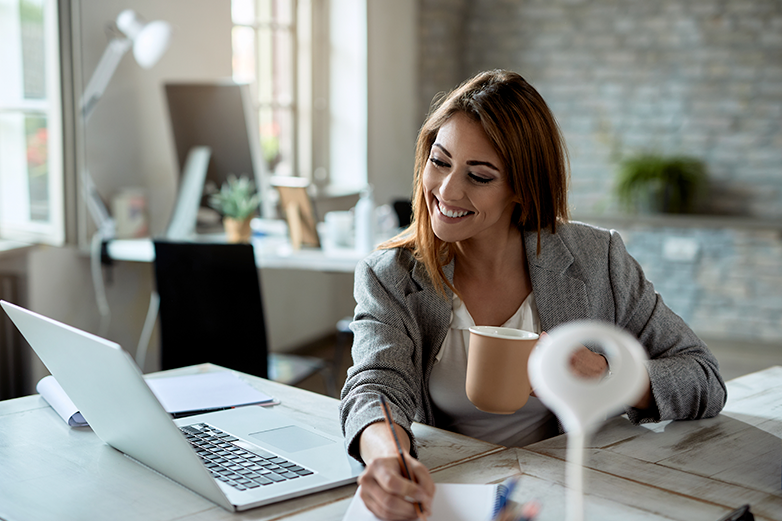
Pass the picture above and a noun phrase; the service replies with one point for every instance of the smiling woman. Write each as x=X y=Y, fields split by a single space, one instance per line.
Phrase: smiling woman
x=491 y=245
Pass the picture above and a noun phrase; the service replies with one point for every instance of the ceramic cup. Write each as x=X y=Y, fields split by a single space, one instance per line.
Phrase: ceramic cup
x=497 y=380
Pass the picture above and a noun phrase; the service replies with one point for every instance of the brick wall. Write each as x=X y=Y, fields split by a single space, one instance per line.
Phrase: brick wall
x=698 y=77
x=724 y=282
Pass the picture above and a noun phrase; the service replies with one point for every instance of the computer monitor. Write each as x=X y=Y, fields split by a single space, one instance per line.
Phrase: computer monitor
x=218 y=115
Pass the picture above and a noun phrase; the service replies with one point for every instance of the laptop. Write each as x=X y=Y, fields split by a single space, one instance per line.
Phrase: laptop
x=246 y=457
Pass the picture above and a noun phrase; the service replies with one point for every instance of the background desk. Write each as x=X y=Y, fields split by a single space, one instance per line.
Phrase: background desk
x=305 y=292
x=685 y=471
x=270 y=252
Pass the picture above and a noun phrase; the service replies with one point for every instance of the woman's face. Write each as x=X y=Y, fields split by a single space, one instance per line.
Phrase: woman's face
x=466 y=187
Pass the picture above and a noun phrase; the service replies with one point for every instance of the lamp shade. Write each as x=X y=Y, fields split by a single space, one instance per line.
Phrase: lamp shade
x=150 y=40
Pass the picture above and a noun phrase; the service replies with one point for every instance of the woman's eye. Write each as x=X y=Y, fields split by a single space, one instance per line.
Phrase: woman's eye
x=479 y=179
x=436 y=162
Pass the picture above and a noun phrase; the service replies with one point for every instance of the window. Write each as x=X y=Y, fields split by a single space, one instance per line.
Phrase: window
x=264 y=43
x=31 y=166
x=306 y=60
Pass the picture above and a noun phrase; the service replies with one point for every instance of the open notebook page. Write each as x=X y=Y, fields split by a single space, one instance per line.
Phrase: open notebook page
x=452 y=502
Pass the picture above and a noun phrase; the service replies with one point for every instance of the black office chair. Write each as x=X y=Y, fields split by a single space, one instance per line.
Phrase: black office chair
x=211 y=310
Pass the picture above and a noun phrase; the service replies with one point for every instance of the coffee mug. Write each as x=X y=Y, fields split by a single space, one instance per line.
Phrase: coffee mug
x=497 y=380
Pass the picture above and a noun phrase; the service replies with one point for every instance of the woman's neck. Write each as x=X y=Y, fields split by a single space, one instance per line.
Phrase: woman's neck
x=492 y=278
x=490 y=258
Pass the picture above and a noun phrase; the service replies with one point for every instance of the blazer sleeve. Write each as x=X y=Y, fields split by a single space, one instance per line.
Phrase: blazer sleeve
x=685 y=379
x=386 y=359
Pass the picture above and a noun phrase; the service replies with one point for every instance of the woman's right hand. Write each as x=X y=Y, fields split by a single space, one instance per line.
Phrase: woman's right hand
x=384 y=489
x=389 y=495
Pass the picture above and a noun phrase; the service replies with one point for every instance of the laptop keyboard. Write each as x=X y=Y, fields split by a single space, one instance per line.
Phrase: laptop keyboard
x=235 y=466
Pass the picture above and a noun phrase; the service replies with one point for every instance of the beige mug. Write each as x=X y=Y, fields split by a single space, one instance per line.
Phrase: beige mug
x=497 y=380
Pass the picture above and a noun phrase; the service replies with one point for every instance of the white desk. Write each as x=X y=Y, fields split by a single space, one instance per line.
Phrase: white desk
x=270 y=252
x=686 y=471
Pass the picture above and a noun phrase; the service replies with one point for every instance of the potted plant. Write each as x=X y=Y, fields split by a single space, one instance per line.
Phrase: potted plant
x=656 y=183
x=237 y=201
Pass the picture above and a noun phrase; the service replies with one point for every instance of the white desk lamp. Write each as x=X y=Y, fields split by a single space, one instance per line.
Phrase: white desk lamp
x=149 y=41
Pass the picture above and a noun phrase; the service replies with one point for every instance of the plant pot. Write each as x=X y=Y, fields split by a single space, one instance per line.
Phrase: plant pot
x=237 y=230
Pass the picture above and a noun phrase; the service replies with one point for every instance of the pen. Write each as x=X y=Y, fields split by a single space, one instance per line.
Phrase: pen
x=402 y=463
x=185 y=414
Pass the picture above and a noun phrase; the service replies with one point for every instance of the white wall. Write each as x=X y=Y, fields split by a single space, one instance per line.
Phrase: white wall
x=392 y=61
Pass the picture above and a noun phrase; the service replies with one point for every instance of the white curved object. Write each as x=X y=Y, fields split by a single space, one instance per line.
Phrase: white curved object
x=580 y=403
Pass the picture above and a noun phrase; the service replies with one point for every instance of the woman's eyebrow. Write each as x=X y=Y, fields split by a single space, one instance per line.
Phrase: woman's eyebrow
x=483 y=163
x=469 y=163
x=445 y=151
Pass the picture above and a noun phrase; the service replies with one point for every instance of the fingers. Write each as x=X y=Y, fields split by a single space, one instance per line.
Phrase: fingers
x=588 y=364
x=389 y=495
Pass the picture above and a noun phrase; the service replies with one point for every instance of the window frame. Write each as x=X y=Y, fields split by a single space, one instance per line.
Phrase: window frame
x=310 y=116
x=264 y=98
x=28 y=230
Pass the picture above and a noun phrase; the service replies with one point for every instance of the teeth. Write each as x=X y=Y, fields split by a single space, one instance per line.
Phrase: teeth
x=449 y=213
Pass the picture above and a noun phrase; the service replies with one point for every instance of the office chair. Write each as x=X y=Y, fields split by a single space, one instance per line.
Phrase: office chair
x=211 y=310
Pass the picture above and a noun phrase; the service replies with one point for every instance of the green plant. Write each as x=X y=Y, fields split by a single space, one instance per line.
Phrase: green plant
x=653 y=182
x=236 y=199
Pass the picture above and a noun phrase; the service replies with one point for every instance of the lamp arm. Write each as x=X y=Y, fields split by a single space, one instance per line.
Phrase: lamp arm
x=98 y=211
x=108 y=63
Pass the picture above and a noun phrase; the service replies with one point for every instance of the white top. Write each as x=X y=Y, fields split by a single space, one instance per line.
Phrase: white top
x=455 y=412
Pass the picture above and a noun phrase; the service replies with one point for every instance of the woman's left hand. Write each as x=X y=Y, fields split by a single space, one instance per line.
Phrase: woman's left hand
x=588 y=364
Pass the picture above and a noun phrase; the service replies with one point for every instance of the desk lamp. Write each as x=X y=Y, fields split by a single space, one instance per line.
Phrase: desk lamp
x=149 y=41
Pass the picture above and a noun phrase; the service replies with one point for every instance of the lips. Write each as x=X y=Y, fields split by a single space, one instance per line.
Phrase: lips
x=453 y=214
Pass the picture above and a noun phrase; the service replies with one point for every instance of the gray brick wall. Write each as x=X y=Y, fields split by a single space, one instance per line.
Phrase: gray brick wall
x=730 y=287
x=697 y=77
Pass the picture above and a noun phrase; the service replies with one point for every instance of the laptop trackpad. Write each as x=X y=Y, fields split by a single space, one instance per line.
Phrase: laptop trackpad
x=291 y=438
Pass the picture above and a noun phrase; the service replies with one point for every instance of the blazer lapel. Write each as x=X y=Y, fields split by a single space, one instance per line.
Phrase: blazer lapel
x=435 y=307
x=560 y=298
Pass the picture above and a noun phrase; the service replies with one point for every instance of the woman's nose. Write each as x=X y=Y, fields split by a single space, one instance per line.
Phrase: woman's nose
x=450 y=189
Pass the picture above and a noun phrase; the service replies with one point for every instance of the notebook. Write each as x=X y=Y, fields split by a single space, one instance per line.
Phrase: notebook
x=106 y=385
x=452 y=502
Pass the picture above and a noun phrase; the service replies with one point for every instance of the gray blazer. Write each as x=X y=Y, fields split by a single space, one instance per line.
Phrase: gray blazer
x=582 y=272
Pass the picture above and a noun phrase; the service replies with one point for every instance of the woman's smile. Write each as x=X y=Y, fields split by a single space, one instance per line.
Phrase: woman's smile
x=452 y=213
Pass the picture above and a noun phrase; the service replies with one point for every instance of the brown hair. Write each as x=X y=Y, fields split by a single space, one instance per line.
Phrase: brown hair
x=528 y=140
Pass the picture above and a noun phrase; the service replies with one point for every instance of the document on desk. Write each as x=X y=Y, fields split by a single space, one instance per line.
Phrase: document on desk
x=181 y=395
x=452 y=502
x=185 y=395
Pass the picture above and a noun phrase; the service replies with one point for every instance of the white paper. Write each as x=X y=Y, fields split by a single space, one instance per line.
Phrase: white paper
x=205 y=391
x=54 y=395
x=178 y=394
x=452 y=502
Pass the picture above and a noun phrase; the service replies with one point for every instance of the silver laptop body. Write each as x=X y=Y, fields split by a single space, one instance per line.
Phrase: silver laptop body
x=105 y=384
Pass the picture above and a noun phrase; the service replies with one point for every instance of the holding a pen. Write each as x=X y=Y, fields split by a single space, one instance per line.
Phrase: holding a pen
x=391 y=491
